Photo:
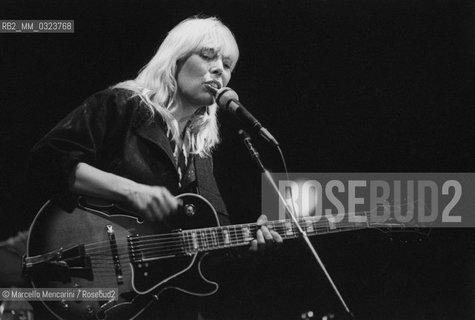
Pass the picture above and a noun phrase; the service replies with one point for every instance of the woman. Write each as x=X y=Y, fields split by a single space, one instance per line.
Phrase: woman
x=142 y=141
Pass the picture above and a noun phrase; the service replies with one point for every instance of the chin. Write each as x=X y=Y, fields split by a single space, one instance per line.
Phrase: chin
x=205 y=100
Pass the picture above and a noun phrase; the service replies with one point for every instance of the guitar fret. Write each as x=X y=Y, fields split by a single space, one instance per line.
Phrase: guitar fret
x=209 y=236
x=204 y=242
x=331 y=223
x=246 y=234
x=189 y=241
x=315 y=226
x=220 y=236
x=204 y=238
x=226 y=237
x=309 y=226
x=215 y=238
x=289 y=231
x=194 y=238
x=184 y=242
x=323 y=227
x=236 y=235
x=280 y=227
x=295 y=229
x=231 y=235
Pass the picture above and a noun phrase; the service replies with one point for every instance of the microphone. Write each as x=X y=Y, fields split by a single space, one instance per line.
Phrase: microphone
x=227 y=99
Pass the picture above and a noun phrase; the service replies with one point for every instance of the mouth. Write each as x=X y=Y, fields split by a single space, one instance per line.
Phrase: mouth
x=213 y=84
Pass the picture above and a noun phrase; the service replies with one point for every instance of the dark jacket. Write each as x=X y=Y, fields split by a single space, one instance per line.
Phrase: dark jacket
x=114 y=132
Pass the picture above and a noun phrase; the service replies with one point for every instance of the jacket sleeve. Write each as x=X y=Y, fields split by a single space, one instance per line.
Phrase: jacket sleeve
x=79 y=137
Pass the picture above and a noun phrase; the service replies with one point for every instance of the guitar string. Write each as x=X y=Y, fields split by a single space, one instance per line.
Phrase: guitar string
x=170 y=250
x=179 y=238
x=213 y=240
x=105 y=264
x=178 y=248
x=206 y=241
x=301 y=220
x=207 y=237
x=177 y=243
x=109 y=265
x=211 y=234
x=303 y=223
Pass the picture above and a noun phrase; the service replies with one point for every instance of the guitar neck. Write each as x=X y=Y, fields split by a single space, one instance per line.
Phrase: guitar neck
x=215 y=238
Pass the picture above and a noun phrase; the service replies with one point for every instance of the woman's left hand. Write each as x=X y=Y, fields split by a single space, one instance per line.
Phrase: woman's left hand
x=265 y=239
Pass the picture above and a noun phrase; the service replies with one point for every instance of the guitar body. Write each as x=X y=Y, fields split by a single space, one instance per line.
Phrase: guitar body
x=96 y=247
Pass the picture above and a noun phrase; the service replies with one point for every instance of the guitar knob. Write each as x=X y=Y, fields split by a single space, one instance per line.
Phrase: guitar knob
x=64 y=304
x=89 y=309
x=190 y=210
x=307 y=315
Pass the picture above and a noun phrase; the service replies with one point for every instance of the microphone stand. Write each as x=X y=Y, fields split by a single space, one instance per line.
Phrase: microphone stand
x=290 y=212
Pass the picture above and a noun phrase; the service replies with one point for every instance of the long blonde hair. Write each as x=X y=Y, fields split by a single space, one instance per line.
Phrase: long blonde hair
x=156 y=82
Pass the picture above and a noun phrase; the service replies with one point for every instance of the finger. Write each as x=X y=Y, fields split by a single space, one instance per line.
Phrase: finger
x=261 y=243
x=150 y=212
x=161 y=201
x=179 y=204
x=262 y=220
x=253 y=246
x=170 y=204
x=277 y=238
x=149 y=215
x=267 y=235
x=154 y=212
x=170 y=199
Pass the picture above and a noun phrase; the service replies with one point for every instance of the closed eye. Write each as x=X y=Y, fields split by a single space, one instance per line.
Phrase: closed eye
x=227 y=64
x=208 y=53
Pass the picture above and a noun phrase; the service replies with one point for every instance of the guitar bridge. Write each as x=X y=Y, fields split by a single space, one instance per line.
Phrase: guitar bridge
x=115 y=254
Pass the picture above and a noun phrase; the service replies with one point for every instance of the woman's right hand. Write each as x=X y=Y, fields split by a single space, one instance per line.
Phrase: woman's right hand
x=154 y=203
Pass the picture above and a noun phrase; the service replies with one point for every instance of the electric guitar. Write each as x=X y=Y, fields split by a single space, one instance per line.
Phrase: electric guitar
x=101 y=247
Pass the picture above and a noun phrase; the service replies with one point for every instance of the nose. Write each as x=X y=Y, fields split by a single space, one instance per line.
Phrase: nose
x=217 y=67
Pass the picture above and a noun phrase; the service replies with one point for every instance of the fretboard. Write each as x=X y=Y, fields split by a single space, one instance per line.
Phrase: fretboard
x=189 y=242
x=208 y=239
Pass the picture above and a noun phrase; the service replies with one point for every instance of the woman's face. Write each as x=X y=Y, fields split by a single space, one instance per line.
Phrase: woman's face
x=208 y=66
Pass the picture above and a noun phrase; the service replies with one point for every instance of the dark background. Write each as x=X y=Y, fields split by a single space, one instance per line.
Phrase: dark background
x=345 y=86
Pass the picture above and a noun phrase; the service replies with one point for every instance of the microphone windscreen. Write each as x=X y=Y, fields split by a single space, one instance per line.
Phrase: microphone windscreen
x=224 y=96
